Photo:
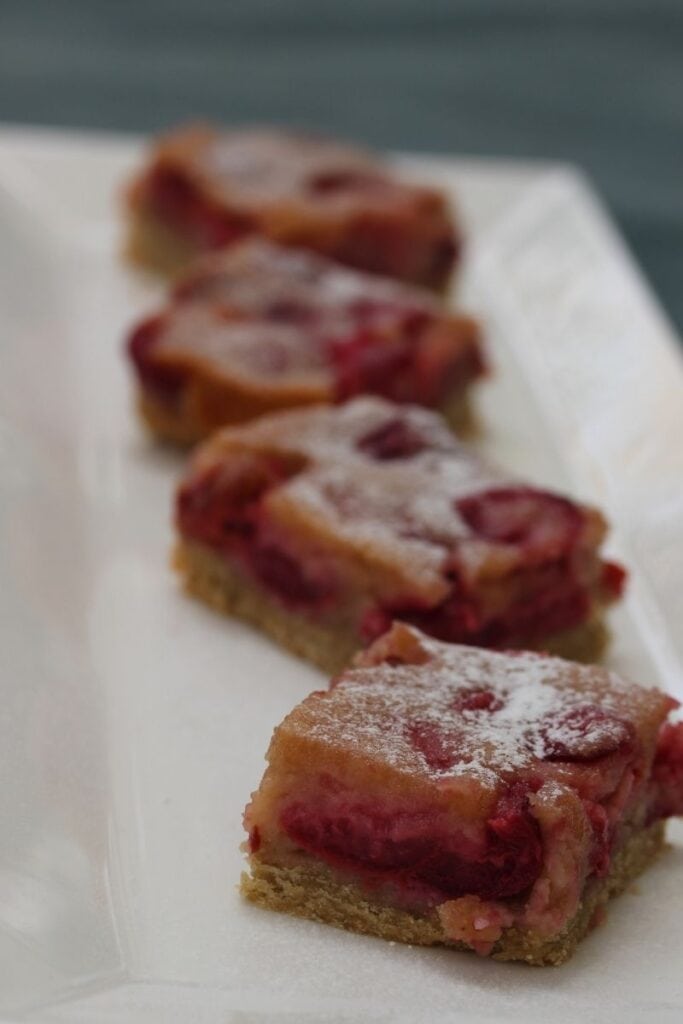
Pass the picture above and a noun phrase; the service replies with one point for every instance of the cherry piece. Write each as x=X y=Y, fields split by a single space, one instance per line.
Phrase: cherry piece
x=477 y=699
x=332 y=182
x=613 y=579
x=365 y=365
x=395 y=439
x=540 y=522
x=431 y=742
x=219 y=508
x=667 y=773
x=165 y=381
x=176 y=199
x=584 y=732
x=281 y=573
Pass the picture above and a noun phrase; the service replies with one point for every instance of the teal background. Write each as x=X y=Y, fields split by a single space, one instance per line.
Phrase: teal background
x=595 y=82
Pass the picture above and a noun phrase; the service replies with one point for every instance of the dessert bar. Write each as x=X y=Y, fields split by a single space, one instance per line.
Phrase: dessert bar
x=204 y=188
x=258 y=328
x=441 y=794
x=323 y=525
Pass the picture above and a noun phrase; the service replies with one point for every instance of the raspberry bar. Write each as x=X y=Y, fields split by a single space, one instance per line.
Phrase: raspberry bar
x=203 y=188
x=323 y=525
x=440 y=794
x=258 y=328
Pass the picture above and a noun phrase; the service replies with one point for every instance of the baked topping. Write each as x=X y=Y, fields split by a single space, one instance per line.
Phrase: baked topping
x=391 y=486
x=462 y=711
x=288 y=324
x=257 y=169
x=212 y=188
x=235 y=348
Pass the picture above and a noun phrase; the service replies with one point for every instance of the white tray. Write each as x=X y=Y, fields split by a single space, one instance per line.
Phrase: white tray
x=134 y=722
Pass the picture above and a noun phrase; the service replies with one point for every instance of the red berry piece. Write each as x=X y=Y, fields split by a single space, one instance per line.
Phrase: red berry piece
x=286 y=577
x=164 y=381
x=431 y=742
x=333 y=182
x=537 y=521
x=667 y=772
x=479 y=699
x=613 y=580
x=584 y=732
x=395 y=439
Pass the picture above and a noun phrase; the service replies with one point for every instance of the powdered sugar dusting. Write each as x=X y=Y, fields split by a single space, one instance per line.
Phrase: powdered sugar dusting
x=477 y=714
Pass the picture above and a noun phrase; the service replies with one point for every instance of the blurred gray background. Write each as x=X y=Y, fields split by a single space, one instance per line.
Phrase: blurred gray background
x=595 y=82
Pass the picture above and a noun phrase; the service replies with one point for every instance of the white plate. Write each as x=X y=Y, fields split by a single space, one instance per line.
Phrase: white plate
x=133 y=722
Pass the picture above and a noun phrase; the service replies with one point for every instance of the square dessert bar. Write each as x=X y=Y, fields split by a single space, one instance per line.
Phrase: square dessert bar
x=440 y=794
x=323 y=525
x=258 y=328
x=203 y=188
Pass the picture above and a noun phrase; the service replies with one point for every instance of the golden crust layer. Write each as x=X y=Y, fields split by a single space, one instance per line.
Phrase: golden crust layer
x=150 y=245
x=313 y=892
x=329 y=646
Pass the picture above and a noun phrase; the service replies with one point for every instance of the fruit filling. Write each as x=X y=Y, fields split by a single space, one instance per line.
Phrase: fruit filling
x=405 y=247
x=666 y=796
x=224 y=509
x=540 y=523
x=394 y=439
x=173 y=198
x=553 y=602
x=417 y=850
x=550 y=595
x=407 y=366
x=164 y=381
